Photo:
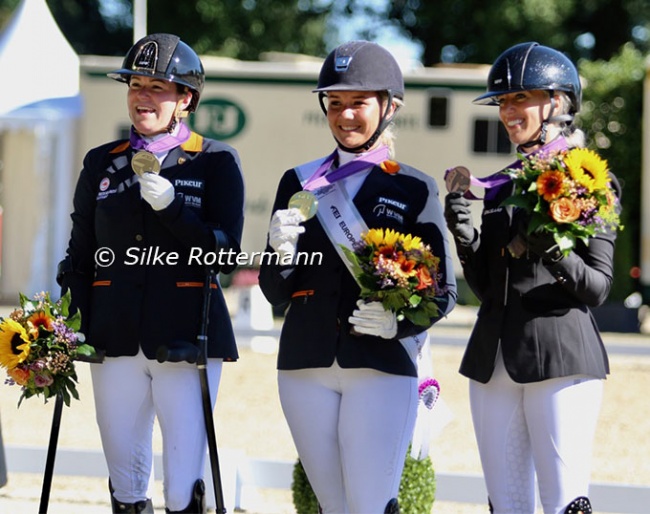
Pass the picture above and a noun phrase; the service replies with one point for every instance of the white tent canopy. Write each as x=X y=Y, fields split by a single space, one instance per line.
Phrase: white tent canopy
x=39 y=109
x=36 y=61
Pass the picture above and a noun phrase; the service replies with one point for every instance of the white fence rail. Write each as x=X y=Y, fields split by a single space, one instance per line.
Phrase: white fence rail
x=241 y=475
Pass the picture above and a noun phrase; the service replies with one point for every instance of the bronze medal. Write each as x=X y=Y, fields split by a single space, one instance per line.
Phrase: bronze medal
x=145 y=162
x=306 y=202
x=458 y=179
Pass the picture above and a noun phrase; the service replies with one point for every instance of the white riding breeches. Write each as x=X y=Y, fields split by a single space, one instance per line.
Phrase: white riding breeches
x=129 y=392
x=352 y=428
x=543 y=429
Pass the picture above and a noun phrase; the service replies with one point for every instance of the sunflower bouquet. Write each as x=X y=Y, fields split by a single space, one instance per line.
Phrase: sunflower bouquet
x=567 y=193
x=399 y=271
x=38 y=343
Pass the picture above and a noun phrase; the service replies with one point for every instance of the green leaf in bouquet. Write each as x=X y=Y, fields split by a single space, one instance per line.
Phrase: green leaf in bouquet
x=417 y=317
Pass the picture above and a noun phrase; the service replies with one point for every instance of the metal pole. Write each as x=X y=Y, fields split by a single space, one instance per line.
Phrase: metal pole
x=139 y=19
x=645 y=190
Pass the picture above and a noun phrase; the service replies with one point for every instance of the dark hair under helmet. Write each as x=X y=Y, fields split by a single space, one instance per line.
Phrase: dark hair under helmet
x=361 y=66
x=166 y=57
x=530 y=66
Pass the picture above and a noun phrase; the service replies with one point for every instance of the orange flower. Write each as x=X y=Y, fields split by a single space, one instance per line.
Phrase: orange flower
x=390 y=167
x=424 y=278
x=405 y=265
x=20 y=376
x=550 y=184
x=564 y=210
x=36 y=321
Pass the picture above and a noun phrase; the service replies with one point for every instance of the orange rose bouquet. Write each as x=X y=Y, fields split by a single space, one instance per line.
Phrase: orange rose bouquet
x=399 y=271
x=38 y=344
x=567 y=193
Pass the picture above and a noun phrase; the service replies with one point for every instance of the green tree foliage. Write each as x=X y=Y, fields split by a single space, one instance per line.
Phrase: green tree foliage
x=612 y=101
x=479 y=30
x=241 y=29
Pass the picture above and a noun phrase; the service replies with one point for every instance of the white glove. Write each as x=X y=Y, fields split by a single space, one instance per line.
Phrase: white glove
x=156 y=190
x=372 y=319
x=284 y=230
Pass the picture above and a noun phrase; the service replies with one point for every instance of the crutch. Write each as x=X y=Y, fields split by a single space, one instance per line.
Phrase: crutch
x=51 y=454
x=186 y=351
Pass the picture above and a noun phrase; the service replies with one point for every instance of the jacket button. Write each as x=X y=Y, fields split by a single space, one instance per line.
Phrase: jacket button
x=138 y=237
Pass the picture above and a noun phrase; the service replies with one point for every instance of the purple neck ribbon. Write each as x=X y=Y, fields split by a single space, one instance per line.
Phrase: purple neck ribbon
x=499 y=178
x=163 y=144
x=320 y=179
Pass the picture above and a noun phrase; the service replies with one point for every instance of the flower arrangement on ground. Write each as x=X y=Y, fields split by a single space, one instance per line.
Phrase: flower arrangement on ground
x=38 y=345
x=399 y=271
x=568 y=194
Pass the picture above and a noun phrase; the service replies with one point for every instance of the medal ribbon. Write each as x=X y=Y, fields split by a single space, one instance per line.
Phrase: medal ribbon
x=319 y=179
x=499 y=178
x=163 y=144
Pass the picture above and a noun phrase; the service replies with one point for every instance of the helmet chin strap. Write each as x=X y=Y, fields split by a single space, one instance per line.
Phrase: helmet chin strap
x=383 y=123
x=541 y=140
x=179 y=112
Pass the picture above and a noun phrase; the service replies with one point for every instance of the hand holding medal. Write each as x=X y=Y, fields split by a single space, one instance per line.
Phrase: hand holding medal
x=305 y=202
x=145 y=162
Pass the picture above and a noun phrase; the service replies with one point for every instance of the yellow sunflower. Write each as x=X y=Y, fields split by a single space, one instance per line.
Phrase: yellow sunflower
x=587 y=168
x=411 y=242
x=14 y=344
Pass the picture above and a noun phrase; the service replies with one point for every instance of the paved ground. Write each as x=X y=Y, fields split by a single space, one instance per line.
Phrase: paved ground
x=249 y=419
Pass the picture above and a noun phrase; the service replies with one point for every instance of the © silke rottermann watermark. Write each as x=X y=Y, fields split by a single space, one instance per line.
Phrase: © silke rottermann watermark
x=154 y=256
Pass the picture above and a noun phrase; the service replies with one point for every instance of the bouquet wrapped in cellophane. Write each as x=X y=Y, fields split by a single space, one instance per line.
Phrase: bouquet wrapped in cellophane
x=399 y=271
x=39 y=343
x=568 y=194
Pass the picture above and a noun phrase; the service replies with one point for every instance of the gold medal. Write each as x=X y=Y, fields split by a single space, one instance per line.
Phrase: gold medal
x=306 y=202
x=458 y=179
x=145 y=162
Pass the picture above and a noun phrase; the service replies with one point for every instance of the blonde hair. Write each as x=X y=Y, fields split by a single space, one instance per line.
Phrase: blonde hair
x=389 y=135
x=574 y=136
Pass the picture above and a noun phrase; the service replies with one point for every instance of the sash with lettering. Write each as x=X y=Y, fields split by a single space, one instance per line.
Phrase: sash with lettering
x=344 y=225
x=338 y=215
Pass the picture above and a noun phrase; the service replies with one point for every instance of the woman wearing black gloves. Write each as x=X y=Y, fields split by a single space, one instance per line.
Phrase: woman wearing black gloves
x=535 y=359
x=347 y=369
x=145 y=209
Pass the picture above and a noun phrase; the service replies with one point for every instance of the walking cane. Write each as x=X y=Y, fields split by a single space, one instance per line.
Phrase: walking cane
x=51 y=454
x=186 y=351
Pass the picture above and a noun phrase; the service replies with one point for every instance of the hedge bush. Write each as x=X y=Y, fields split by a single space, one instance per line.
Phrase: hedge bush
x=417 y=489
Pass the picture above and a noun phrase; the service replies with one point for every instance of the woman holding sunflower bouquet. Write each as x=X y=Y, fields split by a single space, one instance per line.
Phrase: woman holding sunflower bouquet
x=542 y=257
x=348 y=377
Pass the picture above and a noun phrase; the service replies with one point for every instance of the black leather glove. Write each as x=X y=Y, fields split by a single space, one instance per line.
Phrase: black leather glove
x=543 y=244
x=459 y=218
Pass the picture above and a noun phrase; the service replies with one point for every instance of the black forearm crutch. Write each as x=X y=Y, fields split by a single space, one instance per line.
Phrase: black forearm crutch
x=51 y=454
x=186 y=351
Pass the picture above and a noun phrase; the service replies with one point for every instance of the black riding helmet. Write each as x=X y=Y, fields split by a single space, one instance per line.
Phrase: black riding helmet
x=361 y=66
x=531 y=66
x=166 y=57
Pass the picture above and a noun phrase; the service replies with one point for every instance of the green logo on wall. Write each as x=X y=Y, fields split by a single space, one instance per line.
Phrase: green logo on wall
x=218 y=118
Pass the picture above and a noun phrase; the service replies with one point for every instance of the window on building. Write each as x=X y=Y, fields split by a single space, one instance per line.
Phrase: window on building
x=438 y=109
x=490 y=137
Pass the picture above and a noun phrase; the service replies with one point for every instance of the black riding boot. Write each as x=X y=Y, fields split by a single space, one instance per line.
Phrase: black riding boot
x=118 y=507
x=392 y=507
x=197 y=503
x=580 y=505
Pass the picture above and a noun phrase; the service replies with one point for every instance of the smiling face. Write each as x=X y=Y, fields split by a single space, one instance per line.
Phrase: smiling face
x=522 y=114
x=152 y=103
x=353 y=116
